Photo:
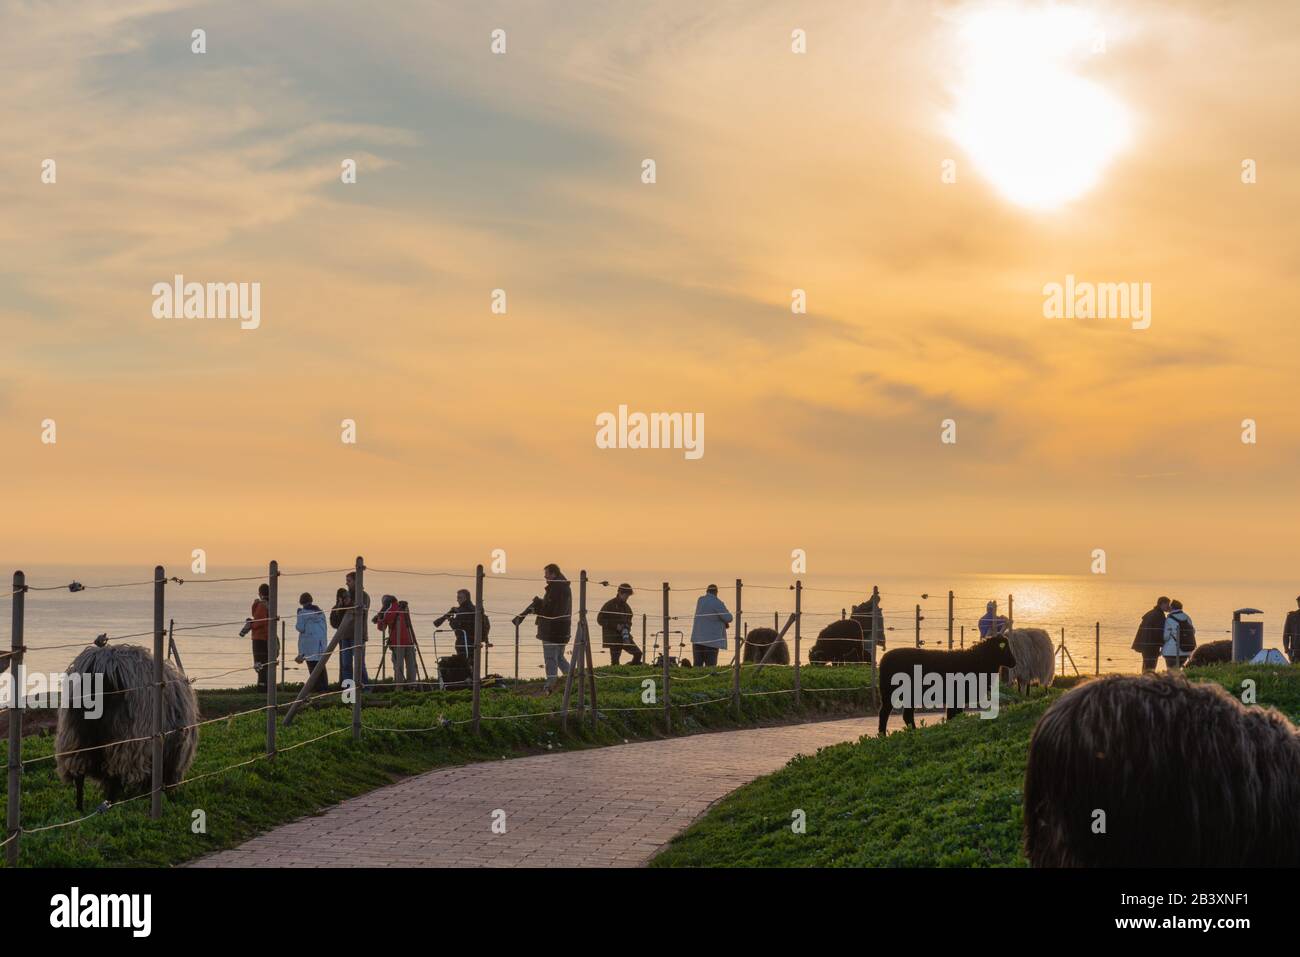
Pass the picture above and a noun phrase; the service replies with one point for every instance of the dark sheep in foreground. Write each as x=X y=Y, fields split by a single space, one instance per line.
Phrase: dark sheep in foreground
x=982 y=658
x=756 y=645
x=1211 y=653
x=1185 y=774
x=126 y=769
x=839 y=641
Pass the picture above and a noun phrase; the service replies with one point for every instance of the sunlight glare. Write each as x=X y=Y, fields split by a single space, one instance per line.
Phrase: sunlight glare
x=1037 y=130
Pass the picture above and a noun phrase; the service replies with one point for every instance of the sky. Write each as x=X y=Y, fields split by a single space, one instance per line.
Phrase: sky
x=880 y=171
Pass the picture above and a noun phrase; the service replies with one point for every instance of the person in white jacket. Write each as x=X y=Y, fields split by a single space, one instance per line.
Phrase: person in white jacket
x=709 y=629
x=1180 y=637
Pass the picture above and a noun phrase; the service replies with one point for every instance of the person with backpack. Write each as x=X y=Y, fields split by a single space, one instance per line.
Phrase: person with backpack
x=615 y=621
x=1180 y=637
x=395 y=619
x=310 y=626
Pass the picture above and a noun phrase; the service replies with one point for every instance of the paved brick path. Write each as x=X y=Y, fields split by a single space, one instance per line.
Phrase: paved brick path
x=601 y=807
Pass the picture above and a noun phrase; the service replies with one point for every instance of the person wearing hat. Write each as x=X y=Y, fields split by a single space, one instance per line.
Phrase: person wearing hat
x=615 y=620
x=1291 y=634
x=709 y=630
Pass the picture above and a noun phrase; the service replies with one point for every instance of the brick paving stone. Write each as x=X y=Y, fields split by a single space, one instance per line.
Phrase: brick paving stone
x=601 y=807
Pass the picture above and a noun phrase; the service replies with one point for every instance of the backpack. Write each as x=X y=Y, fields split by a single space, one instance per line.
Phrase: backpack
x=1186 y=636
x=455 y=671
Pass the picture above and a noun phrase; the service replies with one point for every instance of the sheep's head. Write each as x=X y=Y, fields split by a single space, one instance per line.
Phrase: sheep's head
x=1002 y=655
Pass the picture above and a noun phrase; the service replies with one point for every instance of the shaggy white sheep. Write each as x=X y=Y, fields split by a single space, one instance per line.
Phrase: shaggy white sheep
x=1034 y=659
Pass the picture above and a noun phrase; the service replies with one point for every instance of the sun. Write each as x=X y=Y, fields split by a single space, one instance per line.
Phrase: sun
x=1037 y=130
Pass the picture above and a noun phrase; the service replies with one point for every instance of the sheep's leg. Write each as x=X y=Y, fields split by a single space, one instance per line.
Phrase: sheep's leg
x=81 y=788
x=885 y=707
x=951 y=713
x=909 y=717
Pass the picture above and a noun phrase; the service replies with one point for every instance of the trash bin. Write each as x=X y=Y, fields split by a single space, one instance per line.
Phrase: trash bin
x=1247 y=636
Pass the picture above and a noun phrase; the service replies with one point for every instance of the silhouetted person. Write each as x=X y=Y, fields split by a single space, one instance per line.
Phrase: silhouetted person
x=615 y=620
x=1151 y=634
x=462 y=624
x=554 y=610
x=1291 y=634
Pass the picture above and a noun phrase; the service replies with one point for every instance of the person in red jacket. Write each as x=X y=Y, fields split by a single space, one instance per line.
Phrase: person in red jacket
x=396 y=620
x=259 y=630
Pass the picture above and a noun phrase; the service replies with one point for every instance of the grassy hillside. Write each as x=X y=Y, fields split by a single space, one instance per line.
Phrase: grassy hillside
x=242 y=801
x=940 y=796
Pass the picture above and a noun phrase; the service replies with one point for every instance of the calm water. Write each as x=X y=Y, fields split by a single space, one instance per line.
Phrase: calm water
x=208 y=613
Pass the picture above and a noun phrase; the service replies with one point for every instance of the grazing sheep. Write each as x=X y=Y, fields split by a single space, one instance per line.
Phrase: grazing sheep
x=756 y=645
x=1211 y=653
x=982 y=658
x=1034 y=659
x=126 y=769
x=1185 y=774
x=839 y=641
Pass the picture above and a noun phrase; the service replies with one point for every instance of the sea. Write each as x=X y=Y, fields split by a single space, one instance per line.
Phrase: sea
x=1093 y=617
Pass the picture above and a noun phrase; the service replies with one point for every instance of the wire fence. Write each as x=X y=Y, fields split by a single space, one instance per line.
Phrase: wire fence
x=789 y=644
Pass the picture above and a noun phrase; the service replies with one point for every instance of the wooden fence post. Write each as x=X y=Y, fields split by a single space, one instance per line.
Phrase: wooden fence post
x=950 y=619
x=740 y=652
x=586 y=643
x=668 y=708
x=963 y=636
x=478 y=641
x=645 y=646
x=918 y=626
x=159 y=584
x=273 y=652
x=1011 y=607
x=798 y=617
x=14 y=816
x=358 y=645
x=516 y=651
x=1098 y=646
x=578 y=666
x=283 y=656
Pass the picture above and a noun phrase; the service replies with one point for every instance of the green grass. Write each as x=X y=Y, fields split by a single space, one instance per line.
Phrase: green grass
x=244 y=801
x=947 y=795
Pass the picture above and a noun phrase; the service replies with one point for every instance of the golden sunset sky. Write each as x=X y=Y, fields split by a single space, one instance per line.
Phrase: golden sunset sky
x=775 y=171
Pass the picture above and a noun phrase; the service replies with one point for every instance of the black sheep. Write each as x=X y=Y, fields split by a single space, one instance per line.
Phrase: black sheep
x=1211 y=653
x=756 y=645
x=983 y=658
x=839 y=641
x=1185 y=775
